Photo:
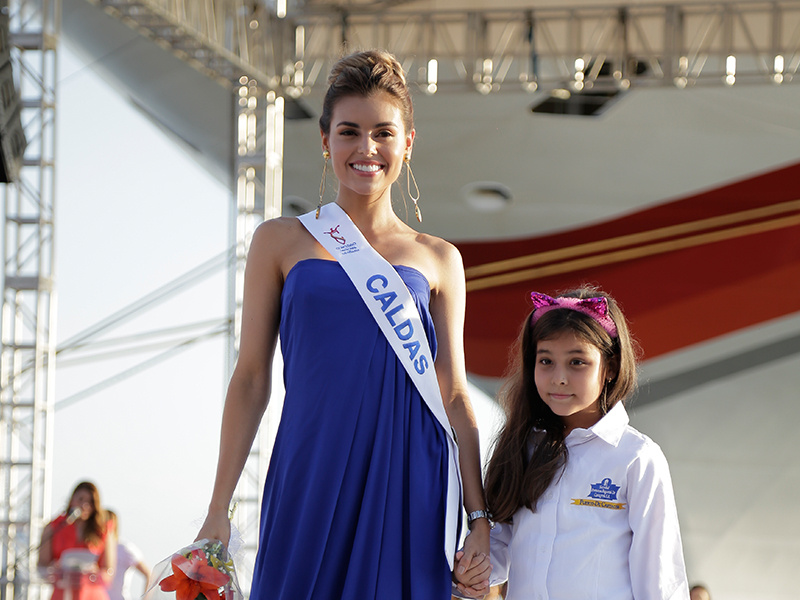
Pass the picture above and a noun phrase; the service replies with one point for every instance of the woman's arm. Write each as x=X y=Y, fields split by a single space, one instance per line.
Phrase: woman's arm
x=248 y=390
x=500 y=561
x=108 y=559
x=448 y=304
x=143 y=569
x=46 y=547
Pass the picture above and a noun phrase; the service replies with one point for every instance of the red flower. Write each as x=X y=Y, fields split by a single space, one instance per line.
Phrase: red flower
x=193 y=576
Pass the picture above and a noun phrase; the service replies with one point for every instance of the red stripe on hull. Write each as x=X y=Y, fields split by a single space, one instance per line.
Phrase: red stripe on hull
x=673 y=299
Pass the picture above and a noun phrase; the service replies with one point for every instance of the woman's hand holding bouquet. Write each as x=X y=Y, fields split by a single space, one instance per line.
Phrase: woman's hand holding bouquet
x=200 y=571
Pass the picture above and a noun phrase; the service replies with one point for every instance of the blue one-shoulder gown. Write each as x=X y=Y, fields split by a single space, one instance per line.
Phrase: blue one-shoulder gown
x=355 y=495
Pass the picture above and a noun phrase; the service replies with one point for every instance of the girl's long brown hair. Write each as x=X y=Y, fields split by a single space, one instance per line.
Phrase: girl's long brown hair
x=530 y=452
x=94 y=530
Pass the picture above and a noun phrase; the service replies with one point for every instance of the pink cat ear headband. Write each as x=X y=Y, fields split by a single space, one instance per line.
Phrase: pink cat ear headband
x=597 y=308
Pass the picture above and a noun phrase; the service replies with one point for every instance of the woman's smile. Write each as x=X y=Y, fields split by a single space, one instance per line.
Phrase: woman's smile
x=367 y=168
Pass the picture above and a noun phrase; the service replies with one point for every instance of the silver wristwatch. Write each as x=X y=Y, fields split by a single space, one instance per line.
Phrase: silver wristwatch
x=480 y=514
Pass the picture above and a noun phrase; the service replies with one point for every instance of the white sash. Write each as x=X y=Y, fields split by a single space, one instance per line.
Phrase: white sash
x=393 y=308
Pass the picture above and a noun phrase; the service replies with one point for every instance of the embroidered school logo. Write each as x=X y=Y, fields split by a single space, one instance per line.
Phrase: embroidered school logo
x=601 y=495
x=605 y=490
x=334 y=233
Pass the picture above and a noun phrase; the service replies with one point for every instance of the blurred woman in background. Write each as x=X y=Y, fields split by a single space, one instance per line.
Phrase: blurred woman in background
x=77 y=548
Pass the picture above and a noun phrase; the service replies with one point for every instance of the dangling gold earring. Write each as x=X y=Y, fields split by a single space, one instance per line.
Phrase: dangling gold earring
x=326 y=155
x=409 y=178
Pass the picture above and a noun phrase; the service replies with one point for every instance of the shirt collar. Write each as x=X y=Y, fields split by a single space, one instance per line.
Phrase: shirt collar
x=609 y=429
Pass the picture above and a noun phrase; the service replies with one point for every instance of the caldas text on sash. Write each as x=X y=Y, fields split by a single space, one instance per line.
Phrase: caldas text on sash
x=393 y=312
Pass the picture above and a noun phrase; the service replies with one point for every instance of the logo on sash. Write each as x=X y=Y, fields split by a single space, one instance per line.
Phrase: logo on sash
x=335 y=235
x=601 y=496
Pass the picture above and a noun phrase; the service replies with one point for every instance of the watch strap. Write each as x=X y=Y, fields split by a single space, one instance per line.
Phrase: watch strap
x=479 y=514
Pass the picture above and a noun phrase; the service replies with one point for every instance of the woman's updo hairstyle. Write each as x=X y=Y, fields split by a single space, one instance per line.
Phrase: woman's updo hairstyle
x=363 y=74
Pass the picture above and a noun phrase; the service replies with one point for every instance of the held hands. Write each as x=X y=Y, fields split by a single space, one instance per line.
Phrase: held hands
x=473 y=565
x=472 y=582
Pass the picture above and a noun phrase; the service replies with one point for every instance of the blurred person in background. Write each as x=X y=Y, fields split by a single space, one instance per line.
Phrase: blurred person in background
x=699 y=592
x=77 y=551
x=129 y=559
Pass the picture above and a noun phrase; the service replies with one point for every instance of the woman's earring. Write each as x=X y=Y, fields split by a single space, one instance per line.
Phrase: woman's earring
x=409 y=178
x=326 y=155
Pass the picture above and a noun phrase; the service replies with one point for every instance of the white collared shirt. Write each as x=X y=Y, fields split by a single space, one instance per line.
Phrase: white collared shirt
x=606 y=529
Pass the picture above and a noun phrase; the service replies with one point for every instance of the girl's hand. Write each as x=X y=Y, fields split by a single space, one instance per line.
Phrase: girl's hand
x=476 y=573
x=217 y=526
x=472 y=580
x=468 y=592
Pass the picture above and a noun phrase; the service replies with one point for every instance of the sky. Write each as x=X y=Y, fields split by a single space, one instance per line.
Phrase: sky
x=133 y=212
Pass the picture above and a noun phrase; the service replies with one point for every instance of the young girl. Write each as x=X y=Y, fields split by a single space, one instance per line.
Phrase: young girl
x=583 y=502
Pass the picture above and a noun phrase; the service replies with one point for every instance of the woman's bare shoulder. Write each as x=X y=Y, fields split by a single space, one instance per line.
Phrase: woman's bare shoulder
x=280 y=235
x=279 y=228
x=442 y=261
x=283 y=242
x=442 y=251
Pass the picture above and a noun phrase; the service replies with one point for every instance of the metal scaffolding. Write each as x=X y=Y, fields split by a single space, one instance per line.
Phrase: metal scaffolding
x=28 y=308
x=580 y=47
x=577 y=47
x=258 y=170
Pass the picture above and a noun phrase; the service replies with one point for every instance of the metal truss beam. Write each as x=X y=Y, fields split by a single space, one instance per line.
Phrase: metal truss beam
x=681 y=44
x=28 y=304
x=580 y=47
x=224 y=39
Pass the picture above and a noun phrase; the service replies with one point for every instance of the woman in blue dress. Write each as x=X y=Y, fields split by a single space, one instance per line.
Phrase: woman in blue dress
x=355 y=497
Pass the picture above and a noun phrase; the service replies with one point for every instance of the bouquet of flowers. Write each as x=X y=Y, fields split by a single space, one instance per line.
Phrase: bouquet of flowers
x=200 y=571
